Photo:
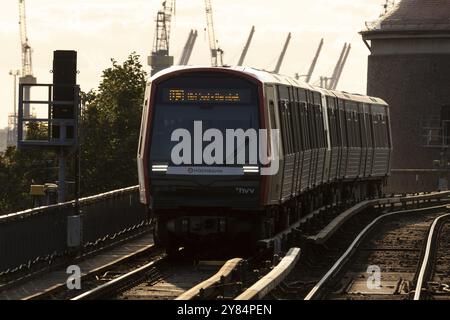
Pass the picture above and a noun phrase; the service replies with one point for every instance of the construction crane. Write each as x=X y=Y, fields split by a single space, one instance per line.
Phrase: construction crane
x=247 y=46
x=160 y=58
x=27 y=65
x=341 y=67
x=27 y=62
x=216 y=52
x=188 y=47
x=313 y=64
x=283 y=54
x=332 y=82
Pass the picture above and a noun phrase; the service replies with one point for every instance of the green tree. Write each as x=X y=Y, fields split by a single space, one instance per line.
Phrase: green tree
x=110 y=128
x=19 y=169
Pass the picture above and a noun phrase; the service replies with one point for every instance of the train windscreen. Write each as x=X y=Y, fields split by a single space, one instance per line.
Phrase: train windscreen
x=203 y=101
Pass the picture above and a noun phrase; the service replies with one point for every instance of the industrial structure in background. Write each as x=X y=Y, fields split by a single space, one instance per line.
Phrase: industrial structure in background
x=160 y=58
x=216 y=52
x=25 y=76
x=308 y=76
x=188 y=48
x=409 y=67
x=27 y=61
x=246 y=47
x=332 y=82
x=283 y=54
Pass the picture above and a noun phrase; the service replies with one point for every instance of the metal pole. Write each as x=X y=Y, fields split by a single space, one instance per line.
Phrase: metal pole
x=77 y=106
x=62 y=176
x=15 y=108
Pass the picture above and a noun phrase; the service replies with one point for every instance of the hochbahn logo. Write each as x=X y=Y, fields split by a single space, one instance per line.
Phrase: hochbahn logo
x=253 y=150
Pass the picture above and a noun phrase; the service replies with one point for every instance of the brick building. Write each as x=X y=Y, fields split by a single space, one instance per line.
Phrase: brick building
x=409 y=67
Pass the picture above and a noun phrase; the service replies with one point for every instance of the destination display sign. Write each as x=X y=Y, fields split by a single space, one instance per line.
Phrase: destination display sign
x=213 y=96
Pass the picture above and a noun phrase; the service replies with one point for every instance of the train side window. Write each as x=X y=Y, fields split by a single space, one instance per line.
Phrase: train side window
x=313 y=130
x=357 y=130
x=332 y=128
x=296 y=122
x=388 y=130
x=305 y=127
x=342 y=124
x=369 y=130
x=290 y=127
x=375 y=130
x=322 y=126
x=331 y=122
x=349 y=126
x=362 y=128
x=273 y=122
x=385 y=132
x=282 y=115
x=336 y=123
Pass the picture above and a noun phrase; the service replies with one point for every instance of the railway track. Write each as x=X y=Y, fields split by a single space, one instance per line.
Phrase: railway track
x=433 y=281
x=141 y=262
x=149 y=275
x=383 y=261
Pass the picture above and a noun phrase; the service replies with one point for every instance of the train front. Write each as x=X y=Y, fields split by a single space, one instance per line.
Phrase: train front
x=199 y=164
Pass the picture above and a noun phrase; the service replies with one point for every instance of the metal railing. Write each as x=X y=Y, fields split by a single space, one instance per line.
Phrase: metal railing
x=42 y=234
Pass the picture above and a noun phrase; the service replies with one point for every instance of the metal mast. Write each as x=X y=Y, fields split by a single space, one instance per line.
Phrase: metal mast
x=336 y=68
x=314 y=63
x=216 y=52
x=247 y=46
x=341 y=67
x=188 y=48
x=160 y=58
x=283 y=54
x=27 y=65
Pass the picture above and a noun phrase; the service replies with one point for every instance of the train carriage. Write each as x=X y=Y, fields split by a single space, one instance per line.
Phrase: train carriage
x=334 y=147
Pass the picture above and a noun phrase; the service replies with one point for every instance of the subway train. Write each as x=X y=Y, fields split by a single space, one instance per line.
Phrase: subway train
x=236 y=154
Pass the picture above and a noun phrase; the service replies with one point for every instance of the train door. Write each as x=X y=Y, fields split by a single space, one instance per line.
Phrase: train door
x=327 y=133
x=275 y=181
x=296 y=124
x=344 y=138
x=306 y=141
x=333 y=139
x=321 y=141
x=313 y=139
x=287 y=141
x=143 y=192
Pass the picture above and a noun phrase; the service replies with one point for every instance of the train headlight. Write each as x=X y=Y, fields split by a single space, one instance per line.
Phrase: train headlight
x=251 y=169
x=160 y=168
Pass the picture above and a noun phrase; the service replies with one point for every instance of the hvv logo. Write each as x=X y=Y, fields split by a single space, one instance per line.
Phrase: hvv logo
x=263 y=145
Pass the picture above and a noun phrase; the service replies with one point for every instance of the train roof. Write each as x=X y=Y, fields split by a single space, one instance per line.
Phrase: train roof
x=272 y=78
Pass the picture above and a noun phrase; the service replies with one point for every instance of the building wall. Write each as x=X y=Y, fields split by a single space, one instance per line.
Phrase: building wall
x=416 y=86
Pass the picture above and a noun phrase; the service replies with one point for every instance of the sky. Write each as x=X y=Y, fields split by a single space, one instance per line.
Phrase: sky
x=103 y=29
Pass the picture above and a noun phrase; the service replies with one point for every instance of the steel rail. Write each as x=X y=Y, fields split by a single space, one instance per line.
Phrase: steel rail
x=426 y=259
x=207 y=287
x=347 y=254
x=265 y=285
x=102 y=269
x=113 y=285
